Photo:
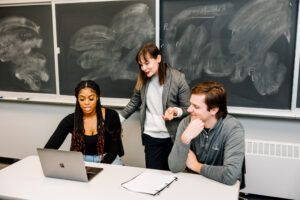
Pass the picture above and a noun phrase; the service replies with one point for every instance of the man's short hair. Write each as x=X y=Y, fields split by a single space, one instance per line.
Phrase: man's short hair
x=215 y=96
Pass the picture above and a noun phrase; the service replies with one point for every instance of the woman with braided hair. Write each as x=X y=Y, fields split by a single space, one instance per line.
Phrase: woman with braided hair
x=96 y=131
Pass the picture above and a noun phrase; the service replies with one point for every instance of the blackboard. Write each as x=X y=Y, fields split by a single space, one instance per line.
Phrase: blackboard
x=26 y=49
x=99 y=41
x=248 y=46
x=298 y=93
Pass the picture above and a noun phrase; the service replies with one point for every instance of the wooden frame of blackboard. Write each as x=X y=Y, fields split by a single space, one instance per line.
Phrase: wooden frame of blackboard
x=57 y=98
x=23 y=2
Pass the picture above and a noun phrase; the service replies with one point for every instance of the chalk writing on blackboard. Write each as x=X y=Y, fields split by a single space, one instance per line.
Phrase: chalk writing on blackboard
x=100 y=47
x=221 y=40
x=18 y=37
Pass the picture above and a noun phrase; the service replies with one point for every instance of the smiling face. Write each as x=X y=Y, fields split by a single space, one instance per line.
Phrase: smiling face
x=198 y=109
x=87 y=99
x=150 y=65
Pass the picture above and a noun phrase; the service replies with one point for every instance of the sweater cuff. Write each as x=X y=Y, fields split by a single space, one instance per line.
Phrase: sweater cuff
x=122 y=119
x=179 y=112
x=203 y=170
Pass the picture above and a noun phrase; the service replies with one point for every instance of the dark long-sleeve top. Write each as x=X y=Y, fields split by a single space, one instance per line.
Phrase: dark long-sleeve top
x=112 y=140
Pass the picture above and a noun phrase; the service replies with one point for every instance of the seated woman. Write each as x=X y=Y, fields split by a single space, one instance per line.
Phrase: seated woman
x=96 y=131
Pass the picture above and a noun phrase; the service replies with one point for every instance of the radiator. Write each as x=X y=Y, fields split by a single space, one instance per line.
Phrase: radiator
x=272 y=169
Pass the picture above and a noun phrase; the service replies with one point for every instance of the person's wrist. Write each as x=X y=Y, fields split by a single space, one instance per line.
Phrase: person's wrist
x=198 y=167
x=185 y=139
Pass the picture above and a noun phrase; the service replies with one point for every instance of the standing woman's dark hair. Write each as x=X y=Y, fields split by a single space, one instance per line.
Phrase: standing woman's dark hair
x=78 y=143
x=150 y=50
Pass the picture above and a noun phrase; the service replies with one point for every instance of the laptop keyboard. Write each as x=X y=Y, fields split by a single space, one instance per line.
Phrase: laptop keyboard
x=92 y=171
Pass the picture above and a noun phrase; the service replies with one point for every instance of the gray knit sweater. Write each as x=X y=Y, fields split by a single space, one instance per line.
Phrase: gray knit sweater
x=221 y=150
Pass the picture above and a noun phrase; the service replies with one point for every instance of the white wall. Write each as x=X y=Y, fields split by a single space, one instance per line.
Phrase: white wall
x=26 y=126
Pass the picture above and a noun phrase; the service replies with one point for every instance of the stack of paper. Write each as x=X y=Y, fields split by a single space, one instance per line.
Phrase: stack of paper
x=149 y=182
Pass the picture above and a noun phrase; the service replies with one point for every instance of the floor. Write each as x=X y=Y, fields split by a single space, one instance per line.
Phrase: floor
x=242 y=195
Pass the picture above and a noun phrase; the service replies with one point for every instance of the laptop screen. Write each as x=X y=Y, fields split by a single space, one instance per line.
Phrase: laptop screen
x=65 y=165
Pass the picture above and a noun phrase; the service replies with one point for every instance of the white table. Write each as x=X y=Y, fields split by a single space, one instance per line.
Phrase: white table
x=25 y=180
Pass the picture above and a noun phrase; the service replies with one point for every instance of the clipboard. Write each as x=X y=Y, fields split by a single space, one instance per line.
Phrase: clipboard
x=149 y=182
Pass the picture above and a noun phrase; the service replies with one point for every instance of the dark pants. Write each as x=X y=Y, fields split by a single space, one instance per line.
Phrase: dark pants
x=157 y=151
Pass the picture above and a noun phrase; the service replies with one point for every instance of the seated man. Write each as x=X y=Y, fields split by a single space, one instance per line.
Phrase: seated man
x=209 y=141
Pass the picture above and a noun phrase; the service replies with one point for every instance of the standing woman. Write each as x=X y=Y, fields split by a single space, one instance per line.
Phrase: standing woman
x=163 y=94
x=96 y=131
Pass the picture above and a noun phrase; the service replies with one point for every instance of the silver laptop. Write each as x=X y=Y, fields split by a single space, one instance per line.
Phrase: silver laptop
x=65 y=165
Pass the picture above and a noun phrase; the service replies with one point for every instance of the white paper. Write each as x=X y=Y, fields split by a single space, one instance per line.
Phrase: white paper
x=150 y=182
